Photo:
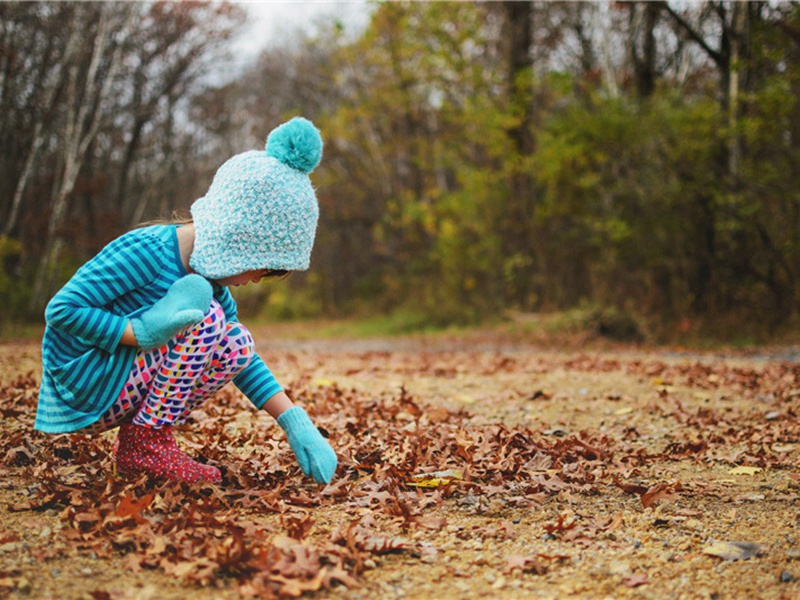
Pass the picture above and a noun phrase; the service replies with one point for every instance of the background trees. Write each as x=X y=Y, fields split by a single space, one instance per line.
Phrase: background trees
x=479 y=157
x=91 y=93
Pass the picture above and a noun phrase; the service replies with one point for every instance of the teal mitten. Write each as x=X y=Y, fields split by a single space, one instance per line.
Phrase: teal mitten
x=184 y=304
x=314 y=454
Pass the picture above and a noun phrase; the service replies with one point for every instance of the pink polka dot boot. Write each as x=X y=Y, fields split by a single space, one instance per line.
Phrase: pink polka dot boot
x=155 y=451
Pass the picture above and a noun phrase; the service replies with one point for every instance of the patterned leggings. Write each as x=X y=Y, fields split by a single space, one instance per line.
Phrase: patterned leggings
x=167 y=383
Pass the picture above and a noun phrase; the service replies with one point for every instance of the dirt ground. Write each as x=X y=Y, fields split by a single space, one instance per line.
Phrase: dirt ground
x=579 y=471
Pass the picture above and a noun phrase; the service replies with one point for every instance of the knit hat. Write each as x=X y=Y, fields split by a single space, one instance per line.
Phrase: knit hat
x=260 y=211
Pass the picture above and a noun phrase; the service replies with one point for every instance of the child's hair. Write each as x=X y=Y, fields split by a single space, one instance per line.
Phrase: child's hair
x=178 y=218
x=276 y=273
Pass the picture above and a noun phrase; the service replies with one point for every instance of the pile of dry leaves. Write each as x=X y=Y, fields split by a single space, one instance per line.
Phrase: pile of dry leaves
x=396 y=459
x=399 y=456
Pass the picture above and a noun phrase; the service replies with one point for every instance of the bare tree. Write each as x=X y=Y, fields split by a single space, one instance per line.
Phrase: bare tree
x=518 y=221
x=722 y=31
x=643 y=18
x=86 y=99
x=169 y=52
x=31 y=77
x=90 y=94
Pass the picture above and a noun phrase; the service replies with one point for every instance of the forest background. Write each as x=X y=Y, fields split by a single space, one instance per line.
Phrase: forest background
x=633 y=161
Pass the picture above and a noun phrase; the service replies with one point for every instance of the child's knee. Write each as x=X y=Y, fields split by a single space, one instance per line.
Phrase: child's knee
x=212 y=328
x=239 y=346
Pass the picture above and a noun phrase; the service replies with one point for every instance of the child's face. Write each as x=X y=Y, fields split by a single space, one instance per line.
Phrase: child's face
x=243 y=278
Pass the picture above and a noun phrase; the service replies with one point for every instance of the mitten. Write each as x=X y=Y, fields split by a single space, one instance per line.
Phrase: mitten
x=314 y=454
x=184 y=304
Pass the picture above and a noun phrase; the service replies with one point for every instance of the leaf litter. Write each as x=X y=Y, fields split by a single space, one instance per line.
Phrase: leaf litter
x=417 y=474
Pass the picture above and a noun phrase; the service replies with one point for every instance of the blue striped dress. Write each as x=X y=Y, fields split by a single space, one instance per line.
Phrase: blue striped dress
x=84 y=365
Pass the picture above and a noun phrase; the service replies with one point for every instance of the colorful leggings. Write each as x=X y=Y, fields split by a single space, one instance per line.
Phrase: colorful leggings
x=167 y=383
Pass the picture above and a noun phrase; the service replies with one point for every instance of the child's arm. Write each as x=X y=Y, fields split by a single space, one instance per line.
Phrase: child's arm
x=77 y=309
x=128 y=337
x=184 y=304
x=314 y=454
x=258 y=383
x=278 y=404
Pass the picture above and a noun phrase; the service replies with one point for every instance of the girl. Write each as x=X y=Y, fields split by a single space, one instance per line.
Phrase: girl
x=147 y=330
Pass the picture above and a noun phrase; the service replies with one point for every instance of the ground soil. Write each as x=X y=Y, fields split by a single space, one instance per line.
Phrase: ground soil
x=689 y=452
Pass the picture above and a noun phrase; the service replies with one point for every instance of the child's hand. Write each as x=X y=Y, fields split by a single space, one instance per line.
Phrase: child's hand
x=313 y=452
x=184 y=304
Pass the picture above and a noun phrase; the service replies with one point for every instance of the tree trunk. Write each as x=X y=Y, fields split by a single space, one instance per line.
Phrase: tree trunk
x=738 y=35
x=517 y=219
x=22 y=182
x=729 y=56
x=84 y=112
x=643 y=17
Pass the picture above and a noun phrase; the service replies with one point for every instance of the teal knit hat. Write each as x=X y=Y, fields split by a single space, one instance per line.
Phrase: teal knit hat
x=260 y=211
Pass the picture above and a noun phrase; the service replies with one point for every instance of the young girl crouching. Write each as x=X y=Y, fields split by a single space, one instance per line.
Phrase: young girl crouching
x=147 y=330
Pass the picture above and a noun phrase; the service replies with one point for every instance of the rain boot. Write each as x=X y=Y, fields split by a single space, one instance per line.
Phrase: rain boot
x=155 y=451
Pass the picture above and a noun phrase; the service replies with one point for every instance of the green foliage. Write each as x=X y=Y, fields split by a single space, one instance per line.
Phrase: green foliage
x=632 y=206
x=285 y=300
x=458 y=184
x=398 y=322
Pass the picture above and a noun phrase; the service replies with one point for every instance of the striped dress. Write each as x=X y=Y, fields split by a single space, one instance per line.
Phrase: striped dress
x=84 y=365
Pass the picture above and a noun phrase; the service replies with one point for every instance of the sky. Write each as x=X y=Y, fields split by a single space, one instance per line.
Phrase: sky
x=275 y=22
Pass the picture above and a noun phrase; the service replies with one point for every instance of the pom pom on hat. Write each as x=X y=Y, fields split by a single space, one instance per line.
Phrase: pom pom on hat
x=296 y=143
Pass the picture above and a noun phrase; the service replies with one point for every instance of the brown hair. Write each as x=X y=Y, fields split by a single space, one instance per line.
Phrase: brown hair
x=178 y=218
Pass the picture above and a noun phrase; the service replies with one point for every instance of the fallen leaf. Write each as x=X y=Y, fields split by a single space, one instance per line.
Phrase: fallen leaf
x=431 y=480
x=659 y=493
x=297 y=525
x=382 y=544
x=750 y=497
x=526 y=564
x=741 y=470
x=296 y=587
x=630 y=488
x=781 y=448
x=130 y=507
x=540 y=462
x=339 y=575
x=636 y=580
x=19 y=456
x=432 y=522
x=8 y=582
x=564 y=523
x=733 y=550
x=182 y=569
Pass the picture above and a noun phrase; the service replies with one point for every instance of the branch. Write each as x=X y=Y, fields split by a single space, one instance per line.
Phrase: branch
x=715 y=55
